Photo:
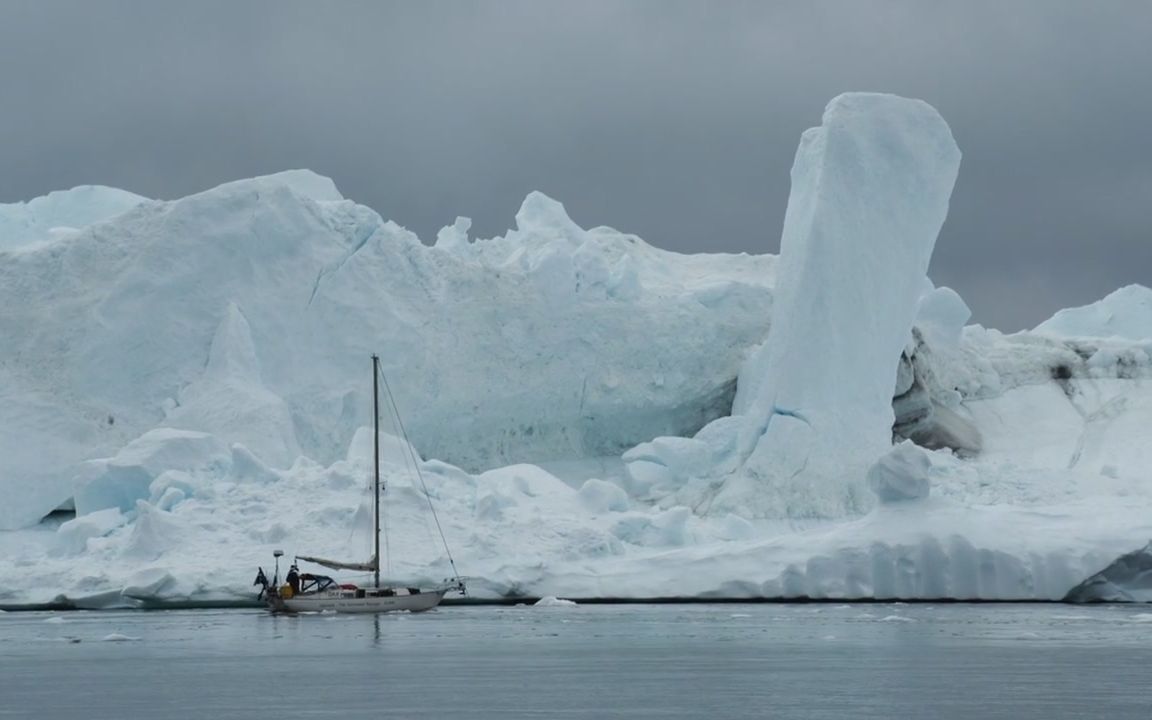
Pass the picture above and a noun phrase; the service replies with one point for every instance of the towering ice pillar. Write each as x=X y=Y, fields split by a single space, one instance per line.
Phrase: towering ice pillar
x=870 y=191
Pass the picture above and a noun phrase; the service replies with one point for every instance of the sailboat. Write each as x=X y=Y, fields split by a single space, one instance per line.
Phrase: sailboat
x=310 y=592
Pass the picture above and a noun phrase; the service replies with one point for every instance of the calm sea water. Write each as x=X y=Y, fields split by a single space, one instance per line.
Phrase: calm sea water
x=641 y=661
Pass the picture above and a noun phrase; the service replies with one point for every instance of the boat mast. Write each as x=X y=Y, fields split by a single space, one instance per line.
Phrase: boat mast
x=376 y=466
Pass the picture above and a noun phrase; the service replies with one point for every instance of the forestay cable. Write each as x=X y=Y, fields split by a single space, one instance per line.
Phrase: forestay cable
x=419 y=475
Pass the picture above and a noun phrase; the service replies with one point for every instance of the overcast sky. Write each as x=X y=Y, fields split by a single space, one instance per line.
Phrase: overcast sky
x=675 y=121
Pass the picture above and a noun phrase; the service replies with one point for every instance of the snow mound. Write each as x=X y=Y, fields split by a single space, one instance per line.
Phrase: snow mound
x=73 y=536
x=940 y=316
x=1125 y=313
x=902 y=474
x=601 y=496
x=120 y=481
x=551 y=601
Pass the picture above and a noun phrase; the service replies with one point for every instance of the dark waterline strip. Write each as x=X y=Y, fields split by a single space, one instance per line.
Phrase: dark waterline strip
x=148 y=605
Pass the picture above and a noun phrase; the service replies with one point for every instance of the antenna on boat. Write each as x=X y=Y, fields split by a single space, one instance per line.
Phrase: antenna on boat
x=276 y=577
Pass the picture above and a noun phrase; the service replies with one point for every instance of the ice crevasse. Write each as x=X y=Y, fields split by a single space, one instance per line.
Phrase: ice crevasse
x=597 y=417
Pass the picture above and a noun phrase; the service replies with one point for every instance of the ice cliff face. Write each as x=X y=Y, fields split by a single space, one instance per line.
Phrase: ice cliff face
x=248 y=310
x=194 y=376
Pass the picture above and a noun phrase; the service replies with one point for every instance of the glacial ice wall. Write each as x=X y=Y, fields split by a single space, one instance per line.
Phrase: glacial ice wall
x=249 y=311
x=193 y=374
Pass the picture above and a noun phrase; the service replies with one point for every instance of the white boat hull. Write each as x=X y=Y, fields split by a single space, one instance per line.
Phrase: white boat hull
x=342 y=601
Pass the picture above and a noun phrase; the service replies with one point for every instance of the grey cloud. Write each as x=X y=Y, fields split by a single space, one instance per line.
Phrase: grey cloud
x=673 y=120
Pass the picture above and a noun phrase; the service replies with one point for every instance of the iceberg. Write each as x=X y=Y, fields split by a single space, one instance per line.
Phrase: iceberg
x=246 y=311
x=870 y=190
x=1125 y=313
x=592 y=416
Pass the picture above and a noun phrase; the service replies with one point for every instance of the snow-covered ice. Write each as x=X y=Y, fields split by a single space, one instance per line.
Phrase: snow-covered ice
x=248 y=310
x=1126 y=313
x=593 y=417
x=60 y=214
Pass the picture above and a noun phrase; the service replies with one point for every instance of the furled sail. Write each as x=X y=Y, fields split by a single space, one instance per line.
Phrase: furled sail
x=337 y=565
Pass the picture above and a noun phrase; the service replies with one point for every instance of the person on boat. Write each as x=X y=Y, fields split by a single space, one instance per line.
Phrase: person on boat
x=262 y=581
x=293 y=579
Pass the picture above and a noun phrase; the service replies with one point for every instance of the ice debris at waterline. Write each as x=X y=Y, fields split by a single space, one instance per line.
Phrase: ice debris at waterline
x=552 y=601
x=600 y=418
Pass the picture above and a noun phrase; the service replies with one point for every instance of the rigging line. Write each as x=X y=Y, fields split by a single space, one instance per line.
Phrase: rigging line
x=387 y=533
x=409 y=461
x=387 y=542
x=412 y=466
x=408 y=455
x=420 y=475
